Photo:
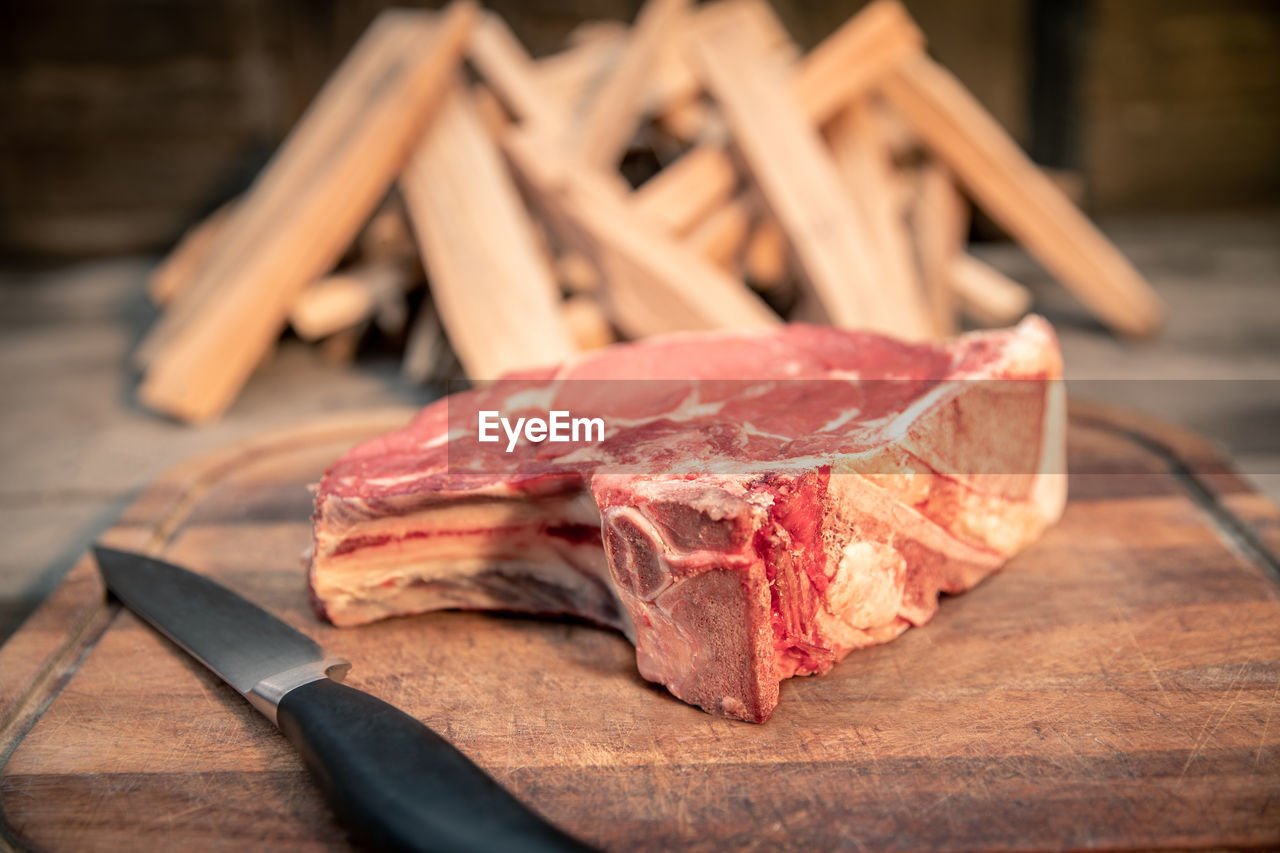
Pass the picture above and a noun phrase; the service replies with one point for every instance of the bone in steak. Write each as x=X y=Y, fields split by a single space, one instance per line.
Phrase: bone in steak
x=801 y=493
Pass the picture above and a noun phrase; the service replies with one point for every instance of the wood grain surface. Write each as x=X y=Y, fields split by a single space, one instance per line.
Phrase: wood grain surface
x=1114 y=687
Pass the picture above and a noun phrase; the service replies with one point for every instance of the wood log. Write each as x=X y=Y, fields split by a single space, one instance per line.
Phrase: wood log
x=672 y=83
x=766 y=256
x=864 y=160
x=986 y=295
x=568 y=77
x=721 y=237
x=833 y=245
x=834 y=73
x=1018 y=196
x=905 y=185
x=904 y=143
x=275 y=192
x=490 y=280
x=515 y=81
x=505 y=65
x=758 y=16
x=688 y=121
x=675 y=85
x=588 y=323
x=940 y=222
x=493 y=115
x=689 y=190
x=369 y=290
x=184 y=262
x=577 y=273
x=303 y=212
x=609 y=121
x=853 y=58
x=593 y=31
x=384 y=236
x=652 y=284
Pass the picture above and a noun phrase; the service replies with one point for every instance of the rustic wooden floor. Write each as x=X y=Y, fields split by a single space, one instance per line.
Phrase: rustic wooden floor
x=75 y=448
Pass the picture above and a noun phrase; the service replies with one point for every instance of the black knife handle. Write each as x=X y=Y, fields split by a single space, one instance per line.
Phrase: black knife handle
x=397 y=785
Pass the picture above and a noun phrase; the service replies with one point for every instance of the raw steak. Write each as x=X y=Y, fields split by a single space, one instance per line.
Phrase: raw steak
x=762 y=504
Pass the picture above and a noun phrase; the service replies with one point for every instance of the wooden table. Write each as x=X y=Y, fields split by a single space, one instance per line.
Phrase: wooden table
x=1113 y=687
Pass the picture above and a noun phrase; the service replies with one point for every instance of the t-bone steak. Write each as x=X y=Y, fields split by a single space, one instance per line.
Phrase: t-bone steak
x=762 y=502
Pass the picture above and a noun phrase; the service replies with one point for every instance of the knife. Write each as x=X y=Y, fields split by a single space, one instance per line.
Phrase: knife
x=394 y=783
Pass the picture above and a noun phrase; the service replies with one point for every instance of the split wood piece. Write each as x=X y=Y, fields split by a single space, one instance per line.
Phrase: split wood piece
x=493 y=115
x=371 y=290
x=587 y=322
x=596 y=30
x=385 y=235
x=429 y=359
x=514 y=82
x=490 y=280
x=672 y=90
x=689 y=190
x=569 y=76
x=505 y=65
x=601 y=137
x=1019 y=197
x=653 y=284
x=303 y=212
x=675 y=85
x=940 y=223
x=577 y=273
x=766 y=257
x=721 y=237
x=837 y=71
x=759 y=16
x=903 y=142
x=689 y=121
x=863 y=157
x=834 y=248
x=172 y=275
x=906 y=189
x=355 y=88
x=986 y=295
x=1070 y=182
x=851 y=60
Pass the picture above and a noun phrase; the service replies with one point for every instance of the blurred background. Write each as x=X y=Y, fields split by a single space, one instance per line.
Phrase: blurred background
x=126 y=122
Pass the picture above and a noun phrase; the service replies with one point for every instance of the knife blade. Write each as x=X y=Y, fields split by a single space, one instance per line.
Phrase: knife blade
x=392 y=781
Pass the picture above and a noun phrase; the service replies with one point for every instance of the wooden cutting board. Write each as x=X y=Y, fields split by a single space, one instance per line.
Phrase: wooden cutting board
x=1113 y=687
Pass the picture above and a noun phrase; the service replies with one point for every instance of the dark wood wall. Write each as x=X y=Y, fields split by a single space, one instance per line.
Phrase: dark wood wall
x=1181 y=103
x=122 y=121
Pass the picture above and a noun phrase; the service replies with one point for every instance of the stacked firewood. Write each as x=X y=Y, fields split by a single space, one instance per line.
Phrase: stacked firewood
x=443 y=168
